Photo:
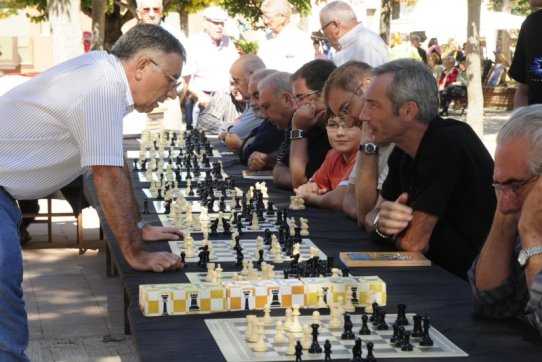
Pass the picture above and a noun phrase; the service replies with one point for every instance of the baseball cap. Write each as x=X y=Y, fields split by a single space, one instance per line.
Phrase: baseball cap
x=215 y=13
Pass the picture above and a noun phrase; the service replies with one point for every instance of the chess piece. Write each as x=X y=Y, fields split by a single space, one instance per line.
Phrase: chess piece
x=279 y=335
x=426 y=340
x=334 y=322
x=321 y=304
x=316 y=317
x=210 y=268
x=348 y=306
x=315 y=346
x=296 y=327
x=291 y=344
x=267 y=315
x=306 y=340
x=406 y=346
x=370 y=355
x=298 y=351
x=347 y=327
x=288 y=321
x=260 y=345
x=356 y=351
x=417 y=330
x=327 y=350
x=364 y=327
x=401 y=315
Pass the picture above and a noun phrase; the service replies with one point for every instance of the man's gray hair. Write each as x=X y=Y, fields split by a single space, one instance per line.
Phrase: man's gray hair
x=147 y=37
x=338 y=11
x=412 y=81
x=260 y=74
x=277 y=7
x=139 y=4
x=278 y=81
x=526 y=122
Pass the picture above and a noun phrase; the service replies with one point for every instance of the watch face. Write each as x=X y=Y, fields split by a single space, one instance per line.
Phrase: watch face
x=369 y=148
x=522 y=258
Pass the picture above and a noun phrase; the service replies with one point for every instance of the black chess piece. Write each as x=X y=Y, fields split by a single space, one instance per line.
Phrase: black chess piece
x=370 y=355
x=298 y=351
x=364 y=328
x=240 y=257
x=348 y=325
x=260 y=257
x=226 y=225
x=374 y=315
x=315 y=346
x=417 y=330
x=395 y=335
x=145 y=207
x=327 y=350
x=426 y=340
x=356 y=351
x=159 y=197
x=183 y=257
x=382 y=325
x=167 y=207
x=400 y=336
x=406 y=346
x=401 y=315
x=214 y=227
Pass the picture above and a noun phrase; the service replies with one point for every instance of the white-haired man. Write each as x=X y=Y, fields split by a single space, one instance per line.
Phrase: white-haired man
x=286 y=47
x=350 y=38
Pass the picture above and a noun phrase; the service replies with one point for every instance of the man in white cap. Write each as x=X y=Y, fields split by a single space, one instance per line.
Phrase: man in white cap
x=286 y=47
x=212 y=55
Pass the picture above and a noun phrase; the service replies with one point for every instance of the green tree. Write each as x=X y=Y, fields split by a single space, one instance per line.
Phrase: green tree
x=516 y=7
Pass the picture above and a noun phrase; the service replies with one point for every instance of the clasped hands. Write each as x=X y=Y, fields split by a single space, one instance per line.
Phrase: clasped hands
x=394 y=216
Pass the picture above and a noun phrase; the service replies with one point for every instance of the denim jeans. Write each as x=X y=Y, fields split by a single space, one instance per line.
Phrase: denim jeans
x=13 y=320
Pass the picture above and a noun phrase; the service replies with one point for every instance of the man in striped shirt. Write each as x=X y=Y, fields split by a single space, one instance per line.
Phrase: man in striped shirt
x=506 y=278
x=68 y=119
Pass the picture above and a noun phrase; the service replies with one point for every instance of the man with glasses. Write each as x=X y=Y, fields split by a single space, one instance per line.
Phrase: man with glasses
x=437 y=197
x=53 y=128
x=344 y=96
x=286 y=48
x=306 y=144
x=351 y=40
x=506 y=278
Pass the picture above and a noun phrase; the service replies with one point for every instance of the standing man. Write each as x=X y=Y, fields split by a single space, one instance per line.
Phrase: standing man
x=286 y=47
x=437 y=197
x=53 y=128
x=506 y=278
x=351 y=40
x=212 y=55
x=526 y=66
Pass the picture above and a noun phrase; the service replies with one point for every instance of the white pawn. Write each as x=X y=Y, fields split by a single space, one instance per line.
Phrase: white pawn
x=348 y=306
x=335 y=321
x=307 y=340
x=244 y=271
x=248 y=331
x=210 y=268
x=291 y=344
x=321 y=302
x=260 y=345
x=296 y=327
x=335 y=272
x=288 y=321
x=279 y=336
x=254 y=225
x=316 y=317
x=253 y=337
x=267 y=315
x=219 y=271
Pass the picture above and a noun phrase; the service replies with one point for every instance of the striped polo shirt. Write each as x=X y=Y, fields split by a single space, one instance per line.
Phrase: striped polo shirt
x=59 y=122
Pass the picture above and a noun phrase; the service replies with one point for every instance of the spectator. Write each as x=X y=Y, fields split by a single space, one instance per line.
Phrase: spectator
x=212 y=55
x=434 y=47
x=54 y=112
x=241 y=71
x=434 y=64
x=497 y=74
x=404 y=49
x=259 y=150
x=437 y=197
x=286 y=48
x=526 y=66
x=447 y=78
x=506 y=278
x=349 y=37
x=305 y=149
x=344 y=96
x=455 y=90
x=416 y=43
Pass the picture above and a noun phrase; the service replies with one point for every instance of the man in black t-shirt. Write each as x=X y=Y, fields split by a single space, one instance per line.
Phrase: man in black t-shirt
x=526 y=66
x=438 y=197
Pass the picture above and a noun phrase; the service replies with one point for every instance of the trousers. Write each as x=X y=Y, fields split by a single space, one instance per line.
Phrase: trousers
x=13 y=319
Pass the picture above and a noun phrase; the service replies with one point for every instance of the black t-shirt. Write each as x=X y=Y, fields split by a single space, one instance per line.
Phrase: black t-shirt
x=318 y=145
x=526 y=66
x=450 y=177
x=265 y=138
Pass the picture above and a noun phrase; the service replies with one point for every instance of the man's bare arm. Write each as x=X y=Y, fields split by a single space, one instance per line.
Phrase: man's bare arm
x=366 y=188
x=349 y=202
x=522 y=95
x=281 y=176
x=299 y=157
x=330 y=200
x=530 y=230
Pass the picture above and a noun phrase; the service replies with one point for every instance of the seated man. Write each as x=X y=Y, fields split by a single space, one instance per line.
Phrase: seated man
x=506 y=278
x=223 y=109
x=241 y=71
x=437 y=198
x=308 y=134
x=259 y=150
x=344 y=95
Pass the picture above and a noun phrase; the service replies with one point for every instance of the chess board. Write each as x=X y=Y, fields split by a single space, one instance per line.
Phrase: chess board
x=269 y=224
x=134 y=154
x=199 y=278
x=223 y=251
x=156 y=176
x=229 y=334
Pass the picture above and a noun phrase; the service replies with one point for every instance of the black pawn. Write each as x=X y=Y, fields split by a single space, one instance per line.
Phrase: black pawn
x=145 y=207
x=260 y=257
x=401 y=315
x=417 y=331
x=298 y=351
x=364 y=328
x=327 y=350
x=183 y=262
x=348 y=325
x=406 y=346
x=356 y=351
x=382 y=325
x=426 y=340
x=315 y=346
x=370 y=355
x=400 y=336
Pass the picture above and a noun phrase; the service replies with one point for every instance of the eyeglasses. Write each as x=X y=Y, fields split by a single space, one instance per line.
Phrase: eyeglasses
x=325 y=26
x=154 y=10
x=345 y=122
x=173 y=83
x=515 y=187
x=300 y=97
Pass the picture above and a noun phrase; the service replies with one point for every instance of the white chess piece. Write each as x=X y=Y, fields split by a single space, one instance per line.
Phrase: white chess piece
x=307 y=340
x=291 y=344
x=288 y=321
x=210 y=268
x=320 y=304
x=335 y=321
x=260 y=345
x=253 y=337
x=296 y=327
x=267 y=315
x=279 y=335
x=316 y=317
x=348 y=306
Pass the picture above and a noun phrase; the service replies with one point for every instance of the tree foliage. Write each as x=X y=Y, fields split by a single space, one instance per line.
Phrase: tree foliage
x=519 y=7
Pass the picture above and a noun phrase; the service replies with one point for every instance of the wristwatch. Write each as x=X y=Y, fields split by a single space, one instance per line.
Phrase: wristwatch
x=525 y=254
x=369 y=148
x=297 y=134
x=375 y=224
x=141 y=224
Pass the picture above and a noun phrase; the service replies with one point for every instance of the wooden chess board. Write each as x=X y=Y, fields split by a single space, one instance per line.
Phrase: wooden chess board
x=229 y=335
x=223 y=251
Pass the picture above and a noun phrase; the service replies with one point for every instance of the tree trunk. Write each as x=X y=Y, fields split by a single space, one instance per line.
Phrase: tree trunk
x=183 y=18
x=98 y=24
x=507 y=6
x=65 y=23
x=475 y=110
x=385 y=16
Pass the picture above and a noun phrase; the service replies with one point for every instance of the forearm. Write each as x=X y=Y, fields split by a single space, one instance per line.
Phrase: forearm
x=366 y=194
x=233 y=141
x=497 y=251
x=282 y=177
x=349 y=203
x=115 y=194
x=298 y=161
x=330 y=200
x=416 y=236
x=522 y=95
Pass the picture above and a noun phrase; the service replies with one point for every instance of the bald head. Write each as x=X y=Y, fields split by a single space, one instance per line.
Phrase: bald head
x=242 y=70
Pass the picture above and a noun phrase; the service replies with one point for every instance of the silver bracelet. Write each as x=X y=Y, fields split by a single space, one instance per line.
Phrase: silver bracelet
x=378 y=232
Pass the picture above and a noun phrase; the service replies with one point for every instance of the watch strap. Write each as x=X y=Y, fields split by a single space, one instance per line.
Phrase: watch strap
x=296 y=134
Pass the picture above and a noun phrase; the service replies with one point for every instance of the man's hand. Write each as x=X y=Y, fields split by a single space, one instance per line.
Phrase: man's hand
x=310 y=188
x=155 y=233
x=257 y=161
x=203 y=100
x=394 y=216
x=157 y=262
x=306 y=116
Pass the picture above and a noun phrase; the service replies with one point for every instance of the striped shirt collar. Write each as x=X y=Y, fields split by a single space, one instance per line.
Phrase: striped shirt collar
x=129 y=99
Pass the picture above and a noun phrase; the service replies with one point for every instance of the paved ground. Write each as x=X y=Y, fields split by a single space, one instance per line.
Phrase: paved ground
x=74 y=310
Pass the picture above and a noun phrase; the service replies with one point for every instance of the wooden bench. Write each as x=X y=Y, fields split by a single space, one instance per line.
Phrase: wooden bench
x=499 y=97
